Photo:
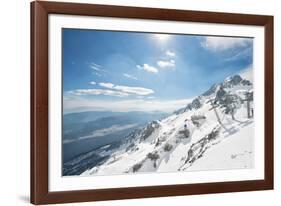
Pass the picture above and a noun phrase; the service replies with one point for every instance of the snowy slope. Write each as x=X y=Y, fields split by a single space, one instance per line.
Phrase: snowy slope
x=190 y=139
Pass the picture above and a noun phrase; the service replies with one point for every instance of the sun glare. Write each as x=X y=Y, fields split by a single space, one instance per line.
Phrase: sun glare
x=162 y=37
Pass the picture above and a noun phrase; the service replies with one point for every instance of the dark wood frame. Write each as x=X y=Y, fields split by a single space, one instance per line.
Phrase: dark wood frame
x=39 y=102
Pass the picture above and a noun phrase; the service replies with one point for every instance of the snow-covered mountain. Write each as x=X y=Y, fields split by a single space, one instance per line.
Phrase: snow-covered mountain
x=214 y=131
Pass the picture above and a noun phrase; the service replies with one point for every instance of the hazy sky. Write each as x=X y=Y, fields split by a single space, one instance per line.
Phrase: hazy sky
x=129 y=71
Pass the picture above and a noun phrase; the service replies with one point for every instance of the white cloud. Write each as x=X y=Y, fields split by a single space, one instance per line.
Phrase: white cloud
x=148 y=68
x=98 y=70
x=242 y=54
x=170 y=53
x=102 y=132
x=113 y=90
x=223 y=43
x=109 y=130
x=81 y=103
x=134 y=90
x=130 y=76
x=166 y=64
x=93 y=83
x=127 y=89
x=95 y=67
x=106 y=92
x=106 y=85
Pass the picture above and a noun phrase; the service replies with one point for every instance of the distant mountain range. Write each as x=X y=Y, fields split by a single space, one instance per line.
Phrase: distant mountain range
x=86 y=131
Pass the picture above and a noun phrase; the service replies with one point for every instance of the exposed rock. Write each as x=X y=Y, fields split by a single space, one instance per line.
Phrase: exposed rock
x=185 y=133
x=198 y=148
x=220 y=95
x=153 y=156
x=136 y=167
x=149 y=129
x=232 y=81
x=196 y=104
x=246 y=82
x=168 y=147
x=198 y=120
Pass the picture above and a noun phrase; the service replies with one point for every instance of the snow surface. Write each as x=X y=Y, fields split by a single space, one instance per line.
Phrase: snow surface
x=166 y=149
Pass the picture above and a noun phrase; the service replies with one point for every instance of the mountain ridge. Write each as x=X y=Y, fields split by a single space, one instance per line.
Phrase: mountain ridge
x=187 y=135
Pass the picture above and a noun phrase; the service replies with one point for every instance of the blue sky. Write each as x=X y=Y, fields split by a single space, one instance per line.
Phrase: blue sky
x=129 y=71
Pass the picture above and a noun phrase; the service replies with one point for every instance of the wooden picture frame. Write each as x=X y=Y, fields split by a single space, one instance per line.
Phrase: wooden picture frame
x=40 y=193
